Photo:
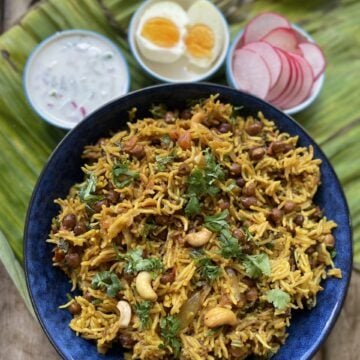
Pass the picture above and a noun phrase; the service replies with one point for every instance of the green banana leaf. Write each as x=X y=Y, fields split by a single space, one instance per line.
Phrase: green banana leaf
x=26 y=141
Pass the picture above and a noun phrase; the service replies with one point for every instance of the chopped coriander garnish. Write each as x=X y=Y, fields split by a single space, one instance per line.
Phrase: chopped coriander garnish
x=166 y=140
x=207 y=269
x=193 y=207
x=136 y=263
x=158 y=111
x=217 y=222
x=196 y=183
x=86 y=191
x=203 y=181
x=106 y=280
x=213 y=172
x=230 y=248
x=169 y=328
x=235 y=113
x=279 y=298
x=122 y=176
x=63 y=245
x=257 y=265
x=332 y=253
x=231 y=186
x=162 y=161
x=142 y=310
x=147 y=229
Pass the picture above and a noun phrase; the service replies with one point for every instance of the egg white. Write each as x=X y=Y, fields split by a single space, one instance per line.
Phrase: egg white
x=170 y=11
x=203 y=12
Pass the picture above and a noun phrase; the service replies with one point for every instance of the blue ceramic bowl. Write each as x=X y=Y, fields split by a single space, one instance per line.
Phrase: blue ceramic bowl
x=300 y=107
x=48 y=286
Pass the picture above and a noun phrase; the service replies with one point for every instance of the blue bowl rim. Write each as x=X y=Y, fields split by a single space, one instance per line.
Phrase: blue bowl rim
x=49 y=39
x=134 y=51
x=336 y=312
x=295 y=109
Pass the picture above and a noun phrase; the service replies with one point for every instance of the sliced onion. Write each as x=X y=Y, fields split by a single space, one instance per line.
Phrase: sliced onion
x=234 y=283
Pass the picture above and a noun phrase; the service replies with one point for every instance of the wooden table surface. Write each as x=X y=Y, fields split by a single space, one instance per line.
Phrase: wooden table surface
x=21 y=337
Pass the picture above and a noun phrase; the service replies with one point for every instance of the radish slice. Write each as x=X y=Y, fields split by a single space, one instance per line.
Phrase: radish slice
x=270 y=56
x=314 y=56
x=283 y=80
x=262 y=25
x=251 y=73
x=287 y=102
x=284 y=96
x=307 y=84
x=283 y=38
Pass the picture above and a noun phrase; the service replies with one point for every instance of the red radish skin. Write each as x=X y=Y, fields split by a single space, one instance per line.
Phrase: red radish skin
x=282 y=38
x=262 y=25
x=287 y=103
x=307 y=84
x=251 y=73
x=314 y=56
x=283 y=80
x=282 y=98
x=270 y=56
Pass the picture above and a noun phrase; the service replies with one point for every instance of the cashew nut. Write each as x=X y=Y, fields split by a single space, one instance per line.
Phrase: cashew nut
x=143 y=286
x=125 y=313
x=200 y=238
x=219 y=316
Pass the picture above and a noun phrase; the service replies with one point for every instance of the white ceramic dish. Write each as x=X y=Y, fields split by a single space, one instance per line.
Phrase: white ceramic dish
x=73 y=73
x=180 y=70
x=317 y=85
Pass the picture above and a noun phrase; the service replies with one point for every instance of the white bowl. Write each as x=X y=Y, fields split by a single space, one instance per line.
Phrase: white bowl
x=316 y=87
x=77 y=81
x=180 y=70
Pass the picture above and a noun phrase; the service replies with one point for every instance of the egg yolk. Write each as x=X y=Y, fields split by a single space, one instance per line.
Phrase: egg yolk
x=161 y=32
x=200 y=41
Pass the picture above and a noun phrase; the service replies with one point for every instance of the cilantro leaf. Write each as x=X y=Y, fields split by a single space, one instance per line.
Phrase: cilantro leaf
x=166 y=140
x=122 y=176
x=213 y=170
x=235 y=113
x=232 y=185
x=147 y=229
x=169 y=328
x=207 y=269
x=142 y=310
x=196 y=183
x=230 y=248
x=193 y=206
x=86 y=192
x=158 y=111
x=106 y=280
x=162 y=161
x=257 y=265
x=279 y=298
x=136 y=263
x=203 y=181
x=217 y=222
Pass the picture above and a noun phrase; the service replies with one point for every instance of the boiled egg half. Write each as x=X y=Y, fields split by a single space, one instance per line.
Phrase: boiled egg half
x=166 y=32
x=204 y=37
x=161 y=31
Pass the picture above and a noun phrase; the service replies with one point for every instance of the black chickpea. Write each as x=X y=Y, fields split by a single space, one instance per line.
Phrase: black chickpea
x=256 y=153
x=254 y=128
x=289 y=206
x=69 y=221
x=74 y=308
x=224 y=128
x=299 y=220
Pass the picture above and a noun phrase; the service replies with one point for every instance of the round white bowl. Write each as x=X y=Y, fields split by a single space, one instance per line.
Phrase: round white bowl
x=302 y=106
x=46 y=115
x=181 y=70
